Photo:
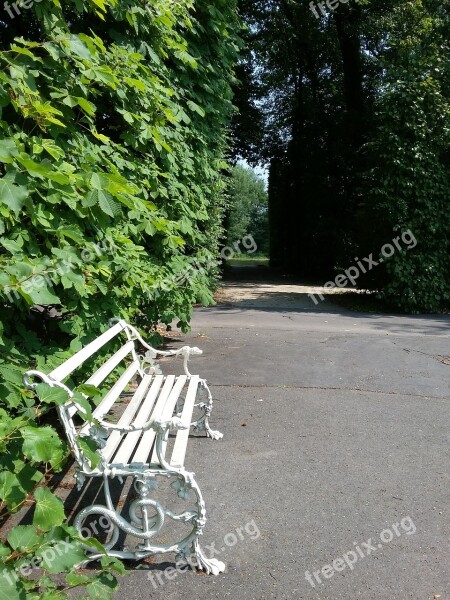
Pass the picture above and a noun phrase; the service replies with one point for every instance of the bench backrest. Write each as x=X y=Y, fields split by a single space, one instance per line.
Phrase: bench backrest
x=126 y=354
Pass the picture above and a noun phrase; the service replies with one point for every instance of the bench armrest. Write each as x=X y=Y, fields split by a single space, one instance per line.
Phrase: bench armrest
x=160 y=426
x=185 y=351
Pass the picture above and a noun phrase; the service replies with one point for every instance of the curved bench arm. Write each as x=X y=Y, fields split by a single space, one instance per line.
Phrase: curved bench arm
x=157 y=424
x=185 y=351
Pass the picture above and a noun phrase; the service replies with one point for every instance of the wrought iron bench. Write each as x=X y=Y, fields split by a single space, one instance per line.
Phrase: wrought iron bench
x=137 y=445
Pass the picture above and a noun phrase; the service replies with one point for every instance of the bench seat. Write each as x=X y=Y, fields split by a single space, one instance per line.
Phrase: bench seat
x=155 y=398
x=136 y=444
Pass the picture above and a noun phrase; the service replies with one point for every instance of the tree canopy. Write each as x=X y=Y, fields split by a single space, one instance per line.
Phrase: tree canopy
x=351 y=108
x=248 y=209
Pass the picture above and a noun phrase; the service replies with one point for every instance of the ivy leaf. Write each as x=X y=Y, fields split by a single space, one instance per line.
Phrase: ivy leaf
x=49 y=510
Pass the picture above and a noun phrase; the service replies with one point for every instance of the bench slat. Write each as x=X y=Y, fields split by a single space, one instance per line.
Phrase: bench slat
x=168 y=412
x=164 y=410
x=77 y=359
x=102 y=373
x=116 y=437
x=181 y=441
x=109 y=399
x=131 y=439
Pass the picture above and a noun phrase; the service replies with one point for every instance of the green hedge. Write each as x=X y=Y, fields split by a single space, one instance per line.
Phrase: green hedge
x=113 y=133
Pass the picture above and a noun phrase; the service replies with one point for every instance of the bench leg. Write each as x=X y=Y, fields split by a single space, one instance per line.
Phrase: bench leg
x=192 y=552
x=144 y=526
x=203 y=423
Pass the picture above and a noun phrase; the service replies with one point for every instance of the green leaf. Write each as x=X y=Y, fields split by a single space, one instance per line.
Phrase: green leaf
x=23 y=537
x=43 y=170
x=64 y=556
x=107 y=204
x=114 y=564
x=79 y=399
x=196 y=108
x=75 y=579
x=44 y=296
x=51 y=395
x=78 y=48
x=90 y=450
x=11 y=490
x=102 y=587
x=42 y=444
x=8 y=150
x=12 y=195
x=49 y=510
x=88 y=390
x=53 y=149
x=87 y=106
x=11 y=588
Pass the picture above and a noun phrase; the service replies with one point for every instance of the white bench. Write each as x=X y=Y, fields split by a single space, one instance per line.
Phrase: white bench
x=137 y=445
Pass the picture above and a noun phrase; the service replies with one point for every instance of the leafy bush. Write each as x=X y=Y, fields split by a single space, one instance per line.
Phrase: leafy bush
x=113 y=117
x=410 y=182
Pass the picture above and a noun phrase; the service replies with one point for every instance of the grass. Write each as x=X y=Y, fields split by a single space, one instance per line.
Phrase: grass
x=248 y=260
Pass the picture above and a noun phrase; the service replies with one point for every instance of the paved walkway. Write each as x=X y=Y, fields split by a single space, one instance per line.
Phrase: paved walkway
x=333 y=479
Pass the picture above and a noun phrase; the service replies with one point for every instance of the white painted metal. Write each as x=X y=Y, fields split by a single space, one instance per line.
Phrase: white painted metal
x=118 y=388
x=102 y=373
x=129 y=443
x=142 y=429
x=161 y=412
x=181 y=441
x=167 y=413
x=105 y=405
x=116 y=436
x=78 y=359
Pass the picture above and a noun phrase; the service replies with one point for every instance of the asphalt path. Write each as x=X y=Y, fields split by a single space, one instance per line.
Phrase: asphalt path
x=332 y=480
